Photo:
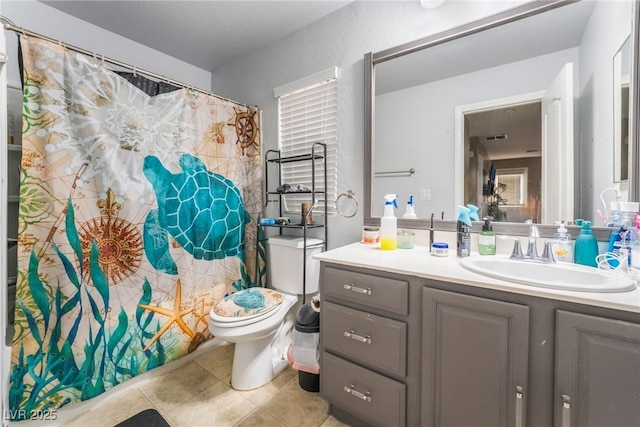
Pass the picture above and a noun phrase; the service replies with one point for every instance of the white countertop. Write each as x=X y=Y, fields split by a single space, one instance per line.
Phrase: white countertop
x=419 y=262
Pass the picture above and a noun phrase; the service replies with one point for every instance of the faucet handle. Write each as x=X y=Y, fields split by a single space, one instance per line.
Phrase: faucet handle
x=547 y=253
x=517 y=249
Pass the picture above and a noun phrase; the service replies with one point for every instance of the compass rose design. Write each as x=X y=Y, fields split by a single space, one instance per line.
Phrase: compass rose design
x=119 y=242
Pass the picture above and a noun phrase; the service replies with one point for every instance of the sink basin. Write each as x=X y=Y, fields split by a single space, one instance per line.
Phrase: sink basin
x=569 y=277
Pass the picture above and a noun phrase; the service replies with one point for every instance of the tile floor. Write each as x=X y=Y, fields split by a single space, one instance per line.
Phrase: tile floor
x=199 y=393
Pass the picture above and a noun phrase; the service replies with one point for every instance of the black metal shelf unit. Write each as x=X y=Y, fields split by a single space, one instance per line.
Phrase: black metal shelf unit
x=274 y=158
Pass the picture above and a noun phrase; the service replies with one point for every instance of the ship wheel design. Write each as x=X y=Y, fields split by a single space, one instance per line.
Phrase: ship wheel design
x=119 y=242
x=246 y=128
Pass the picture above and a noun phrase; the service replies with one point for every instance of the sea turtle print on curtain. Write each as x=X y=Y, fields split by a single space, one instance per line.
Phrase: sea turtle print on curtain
x=137 y=214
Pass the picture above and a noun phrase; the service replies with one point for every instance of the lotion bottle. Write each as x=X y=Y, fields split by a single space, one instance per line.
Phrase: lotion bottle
x=487 y=238
x=389 y=224
x=586 y=249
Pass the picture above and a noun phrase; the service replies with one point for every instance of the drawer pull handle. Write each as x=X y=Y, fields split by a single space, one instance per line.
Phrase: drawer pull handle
x=566 y=411
x=354 y=288
x=353 y=336
x=352 y=391
x=519 y=396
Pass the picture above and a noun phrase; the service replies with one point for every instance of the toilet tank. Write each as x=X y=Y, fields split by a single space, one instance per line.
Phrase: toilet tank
x=285 y=264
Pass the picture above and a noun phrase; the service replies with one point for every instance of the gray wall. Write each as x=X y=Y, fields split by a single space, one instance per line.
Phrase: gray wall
x=595 y=137
x=341 y=39
x=50 y=22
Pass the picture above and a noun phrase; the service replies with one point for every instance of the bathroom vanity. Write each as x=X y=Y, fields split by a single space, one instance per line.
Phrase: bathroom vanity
x=411 y=339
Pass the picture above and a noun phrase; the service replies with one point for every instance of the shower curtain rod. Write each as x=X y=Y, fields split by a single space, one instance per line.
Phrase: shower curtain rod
x=8 y=25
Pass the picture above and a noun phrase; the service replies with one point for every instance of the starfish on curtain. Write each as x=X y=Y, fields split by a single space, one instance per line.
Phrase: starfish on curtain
x=175 y=315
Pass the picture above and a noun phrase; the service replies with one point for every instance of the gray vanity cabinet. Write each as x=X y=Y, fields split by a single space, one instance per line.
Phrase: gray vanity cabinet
x=474 y=353
x=370 y=346
x=597 y=371
x=399 y=350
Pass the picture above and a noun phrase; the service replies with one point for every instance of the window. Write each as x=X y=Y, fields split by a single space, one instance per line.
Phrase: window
x=307 y=113
x=515 y=185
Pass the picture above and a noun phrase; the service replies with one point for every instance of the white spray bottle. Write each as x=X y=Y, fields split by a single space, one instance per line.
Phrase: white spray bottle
x=389 y=224
x=410 y=212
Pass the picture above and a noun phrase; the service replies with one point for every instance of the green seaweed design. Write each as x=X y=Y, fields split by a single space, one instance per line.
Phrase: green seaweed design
x=51 y=377
x=35 y=201
x=31 y=96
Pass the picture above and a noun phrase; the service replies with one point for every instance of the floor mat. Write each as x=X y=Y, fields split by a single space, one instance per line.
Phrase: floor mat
x=146 y=418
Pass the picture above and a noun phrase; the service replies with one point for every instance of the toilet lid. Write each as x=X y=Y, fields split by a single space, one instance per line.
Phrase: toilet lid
x=248 y=303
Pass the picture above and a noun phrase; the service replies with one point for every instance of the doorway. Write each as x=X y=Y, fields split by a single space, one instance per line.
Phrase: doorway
x=503 y=146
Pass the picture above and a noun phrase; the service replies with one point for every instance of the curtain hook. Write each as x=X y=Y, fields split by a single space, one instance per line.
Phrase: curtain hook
x=102 y=61
x=135 y=74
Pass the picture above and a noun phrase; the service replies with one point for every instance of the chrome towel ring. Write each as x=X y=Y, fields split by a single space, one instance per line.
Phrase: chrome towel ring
x=340 y=205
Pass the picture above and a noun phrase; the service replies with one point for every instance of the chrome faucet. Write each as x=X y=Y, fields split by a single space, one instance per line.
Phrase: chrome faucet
x=547 y=253
x=534 y=235
x=532 y=248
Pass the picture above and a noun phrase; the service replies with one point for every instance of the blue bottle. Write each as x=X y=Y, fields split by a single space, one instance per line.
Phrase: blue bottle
x=586 y=247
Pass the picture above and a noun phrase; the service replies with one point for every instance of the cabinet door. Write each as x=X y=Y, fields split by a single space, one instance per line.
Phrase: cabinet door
x=475 y=354
x=597 y=371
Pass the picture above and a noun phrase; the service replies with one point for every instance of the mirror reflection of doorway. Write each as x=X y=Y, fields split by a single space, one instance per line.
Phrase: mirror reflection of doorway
x=549 y=137
x=503 y=161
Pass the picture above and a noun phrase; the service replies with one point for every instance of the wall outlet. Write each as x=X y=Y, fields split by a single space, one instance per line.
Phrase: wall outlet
x=425 y=194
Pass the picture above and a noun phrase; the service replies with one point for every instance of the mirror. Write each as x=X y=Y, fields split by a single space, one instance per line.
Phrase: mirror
x=621 y=80
x=424 y=100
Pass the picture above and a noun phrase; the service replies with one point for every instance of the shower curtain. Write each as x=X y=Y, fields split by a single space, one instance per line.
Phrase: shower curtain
x=137 y=214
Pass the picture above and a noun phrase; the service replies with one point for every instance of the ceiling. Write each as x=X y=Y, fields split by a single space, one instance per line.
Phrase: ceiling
x=518 y=129
x=207 y=34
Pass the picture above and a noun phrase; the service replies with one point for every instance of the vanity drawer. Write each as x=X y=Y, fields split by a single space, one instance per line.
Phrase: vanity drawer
x=378 y=292
x=365 y=337
x=366 y=394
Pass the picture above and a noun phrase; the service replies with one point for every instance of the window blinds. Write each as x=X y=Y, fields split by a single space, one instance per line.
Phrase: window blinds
x=307 y=113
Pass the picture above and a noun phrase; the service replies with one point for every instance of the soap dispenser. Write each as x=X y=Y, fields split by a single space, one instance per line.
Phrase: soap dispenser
x=562 y=247
x=487 y=238
x=410 y=211
x=586 y=249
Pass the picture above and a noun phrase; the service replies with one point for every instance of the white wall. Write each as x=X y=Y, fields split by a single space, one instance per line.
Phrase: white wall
x=340 y=39
x=50 y=22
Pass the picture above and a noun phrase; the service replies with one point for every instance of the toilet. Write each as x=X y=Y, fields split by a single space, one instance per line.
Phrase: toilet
x=259 y=320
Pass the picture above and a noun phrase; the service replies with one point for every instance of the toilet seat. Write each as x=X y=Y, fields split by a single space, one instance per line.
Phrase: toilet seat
x=246 y=306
